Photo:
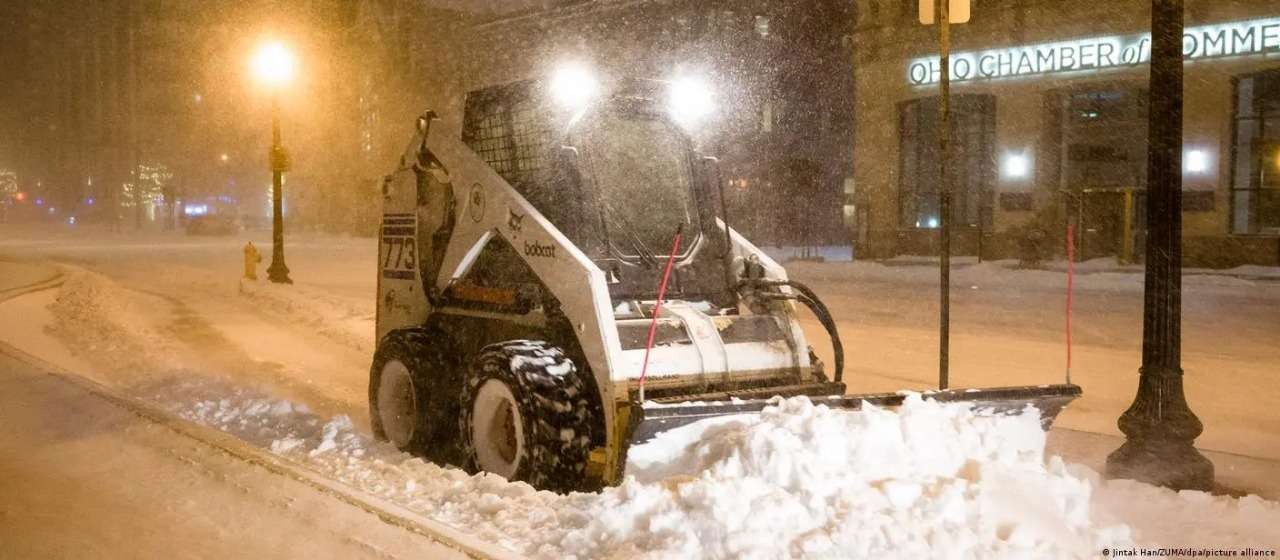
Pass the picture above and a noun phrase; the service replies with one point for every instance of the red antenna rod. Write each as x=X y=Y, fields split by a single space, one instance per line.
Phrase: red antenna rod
x=657 y=307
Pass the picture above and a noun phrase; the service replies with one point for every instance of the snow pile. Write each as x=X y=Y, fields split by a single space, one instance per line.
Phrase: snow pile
x=798 y=480
x=109 y=326
x=1159 y=516
x=929 y=480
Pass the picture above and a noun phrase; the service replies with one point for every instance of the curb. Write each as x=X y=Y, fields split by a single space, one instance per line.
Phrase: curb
x=390 y=513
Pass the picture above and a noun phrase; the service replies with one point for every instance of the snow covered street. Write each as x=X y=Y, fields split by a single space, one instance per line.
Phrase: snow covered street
x=105 y=482
x=165 y=319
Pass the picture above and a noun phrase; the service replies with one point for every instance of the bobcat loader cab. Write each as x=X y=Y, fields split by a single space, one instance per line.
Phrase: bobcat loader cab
x=520 y=272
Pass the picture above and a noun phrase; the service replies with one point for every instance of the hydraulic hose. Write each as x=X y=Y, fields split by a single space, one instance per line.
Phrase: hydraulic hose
x=808 y=297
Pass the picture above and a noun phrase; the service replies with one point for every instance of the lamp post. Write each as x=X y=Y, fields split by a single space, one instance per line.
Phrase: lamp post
x=1159 y=427
x=274 y=67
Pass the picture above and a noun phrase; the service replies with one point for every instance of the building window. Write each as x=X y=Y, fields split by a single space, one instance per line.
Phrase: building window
x=973 y=120
x=1255 y=170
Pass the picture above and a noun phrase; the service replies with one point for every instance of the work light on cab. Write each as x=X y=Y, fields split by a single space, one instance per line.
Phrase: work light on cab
x=573 y=86
x=690 y=99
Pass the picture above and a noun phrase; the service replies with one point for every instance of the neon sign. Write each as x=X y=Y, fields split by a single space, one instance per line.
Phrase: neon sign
x=1256 y=37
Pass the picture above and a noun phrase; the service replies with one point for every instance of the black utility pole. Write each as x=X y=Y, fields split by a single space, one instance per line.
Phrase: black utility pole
x=943 y=10
x=1159 y=427
x=277 y=272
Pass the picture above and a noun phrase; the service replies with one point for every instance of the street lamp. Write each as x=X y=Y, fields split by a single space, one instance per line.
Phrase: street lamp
x=1159 y=427
x=274 y=66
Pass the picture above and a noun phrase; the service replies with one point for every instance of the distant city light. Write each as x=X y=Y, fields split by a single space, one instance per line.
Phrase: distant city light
x=89 y=201
x=1197 y=161
x=196 y=209
x=1017 y=166
x=933 y=223
x=39 y=202
x=71 y=220
x=224 y=157
x=52 y=209
x=21 y=196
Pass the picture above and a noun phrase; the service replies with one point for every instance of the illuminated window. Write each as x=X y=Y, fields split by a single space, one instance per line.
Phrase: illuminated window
x=1255 y=170
x=973 y=119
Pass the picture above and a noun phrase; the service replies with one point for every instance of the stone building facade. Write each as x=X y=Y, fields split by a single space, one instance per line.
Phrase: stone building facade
x=1049 y=112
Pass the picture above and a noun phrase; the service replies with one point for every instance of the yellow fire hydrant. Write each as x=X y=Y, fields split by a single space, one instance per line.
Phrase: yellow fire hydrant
x=251 y=260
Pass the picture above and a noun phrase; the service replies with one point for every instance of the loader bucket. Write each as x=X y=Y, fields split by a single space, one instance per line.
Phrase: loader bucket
x=656 y=418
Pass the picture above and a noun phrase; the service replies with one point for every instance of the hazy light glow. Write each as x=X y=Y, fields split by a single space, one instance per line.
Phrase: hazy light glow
x=572 y=86
x=1197 y=161
x=691 y=99
x=1017 y=166
x=273 y=64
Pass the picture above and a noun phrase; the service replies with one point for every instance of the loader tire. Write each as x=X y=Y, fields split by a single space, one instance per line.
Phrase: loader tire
x=407 y=402
x=526 y=416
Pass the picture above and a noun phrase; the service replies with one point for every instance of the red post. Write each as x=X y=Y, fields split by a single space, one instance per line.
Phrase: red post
x=657 y=306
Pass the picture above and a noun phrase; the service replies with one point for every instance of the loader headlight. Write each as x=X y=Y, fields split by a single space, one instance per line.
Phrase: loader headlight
x=690 y=99
x=573 y=86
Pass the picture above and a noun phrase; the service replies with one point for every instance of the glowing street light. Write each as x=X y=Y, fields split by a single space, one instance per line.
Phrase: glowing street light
x=274 y=66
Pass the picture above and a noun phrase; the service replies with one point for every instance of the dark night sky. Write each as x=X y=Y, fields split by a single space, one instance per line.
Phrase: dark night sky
x=13 y=59
x=10 y=76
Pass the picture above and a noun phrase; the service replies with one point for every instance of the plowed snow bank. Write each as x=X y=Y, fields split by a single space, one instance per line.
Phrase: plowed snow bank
x=798 y=480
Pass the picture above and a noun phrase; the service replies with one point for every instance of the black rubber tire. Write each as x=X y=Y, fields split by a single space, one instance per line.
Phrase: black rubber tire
x=555 y=416
x=422 y=355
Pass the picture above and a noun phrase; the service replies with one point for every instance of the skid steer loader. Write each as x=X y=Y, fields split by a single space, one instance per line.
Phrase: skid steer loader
x=562 y=282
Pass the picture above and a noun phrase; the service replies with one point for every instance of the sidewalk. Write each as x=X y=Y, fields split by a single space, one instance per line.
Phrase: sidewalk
x=1095 y=266
x=83 y=476
x=1236 y=475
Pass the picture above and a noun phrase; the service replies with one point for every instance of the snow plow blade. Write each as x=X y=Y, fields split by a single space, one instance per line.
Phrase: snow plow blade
x=658 y=417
